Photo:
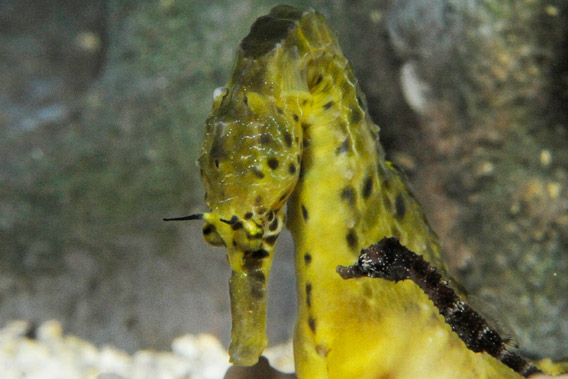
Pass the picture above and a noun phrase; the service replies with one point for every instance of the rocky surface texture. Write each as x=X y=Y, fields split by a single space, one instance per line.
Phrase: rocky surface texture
x=102 y=107
x=46 y=352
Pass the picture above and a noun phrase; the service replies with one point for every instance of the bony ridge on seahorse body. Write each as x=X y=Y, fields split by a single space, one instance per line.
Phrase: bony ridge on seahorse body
x=291 y=128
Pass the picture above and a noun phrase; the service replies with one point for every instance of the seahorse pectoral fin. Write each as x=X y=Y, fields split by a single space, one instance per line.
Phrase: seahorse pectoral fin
x=247 y=287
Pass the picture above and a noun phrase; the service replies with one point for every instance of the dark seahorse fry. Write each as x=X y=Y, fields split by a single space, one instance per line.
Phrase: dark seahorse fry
x=388 y=259
x=291 y=128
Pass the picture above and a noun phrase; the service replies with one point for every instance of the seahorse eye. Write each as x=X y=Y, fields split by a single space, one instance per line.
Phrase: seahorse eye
x=212 y=236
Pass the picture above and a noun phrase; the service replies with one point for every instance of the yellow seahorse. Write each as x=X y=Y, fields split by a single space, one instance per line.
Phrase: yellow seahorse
x=292 y=128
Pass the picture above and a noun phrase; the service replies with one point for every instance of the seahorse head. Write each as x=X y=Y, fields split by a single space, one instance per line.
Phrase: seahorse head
x=249 y=166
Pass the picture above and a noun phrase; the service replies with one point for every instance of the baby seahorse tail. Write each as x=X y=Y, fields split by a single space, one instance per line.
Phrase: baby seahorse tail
x=390 y=260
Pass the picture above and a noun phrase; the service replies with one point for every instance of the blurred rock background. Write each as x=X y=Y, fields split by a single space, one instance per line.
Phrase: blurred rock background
x=102 y=107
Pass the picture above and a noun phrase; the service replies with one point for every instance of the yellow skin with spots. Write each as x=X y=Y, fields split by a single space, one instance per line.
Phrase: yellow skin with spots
x=291 y=127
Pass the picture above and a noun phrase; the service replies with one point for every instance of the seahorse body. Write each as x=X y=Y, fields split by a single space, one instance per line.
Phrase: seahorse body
x=292 y=127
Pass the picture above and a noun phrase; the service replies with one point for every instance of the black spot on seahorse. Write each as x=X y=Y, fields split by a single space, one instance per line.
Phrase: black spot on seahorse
x=328 y=105
x=267 y=31
x=288 y=139
x=217 y=150
x=251 y=264
x=233 y=220
x=307 y=259
x=272 y=163
x=208 y=229
x=271 y=240
x=257 y=254
x=296 y=117
x=258 y=276
x=399 y=206
x=260 y=210
x=348 y=194
x=273 y=225
x=352 y=239
x=305 y=212
x=312 y=324
x=367 y=187
x=344 y=147
x=252 y=260
x=259 y=174
x=258 y=291
x=292 y=168
x=309 y=294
